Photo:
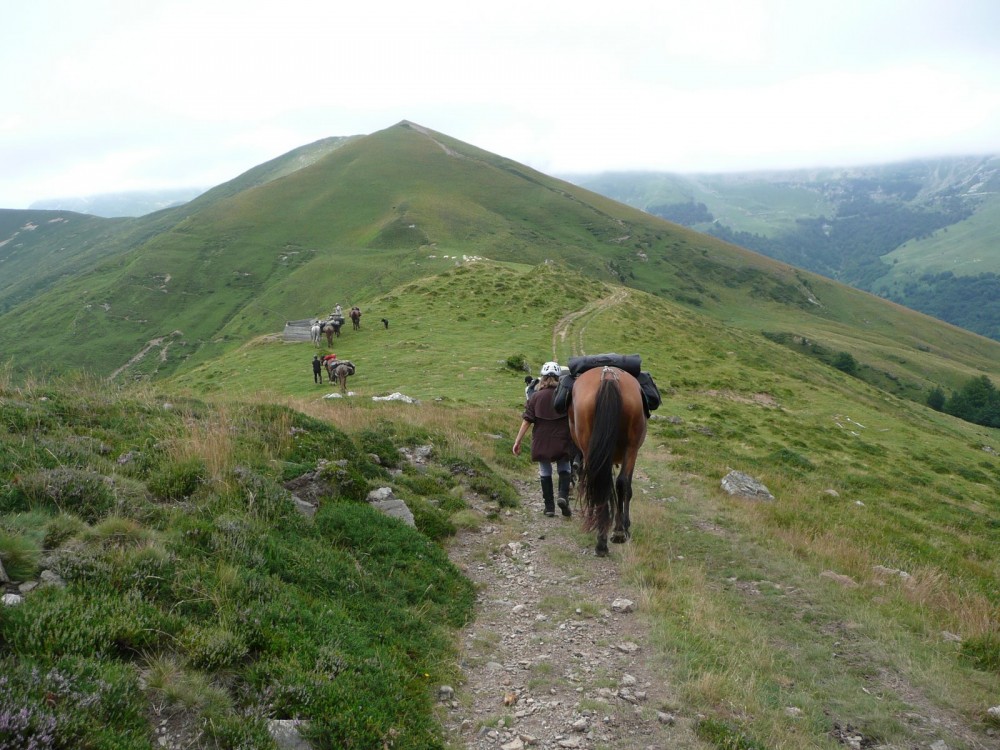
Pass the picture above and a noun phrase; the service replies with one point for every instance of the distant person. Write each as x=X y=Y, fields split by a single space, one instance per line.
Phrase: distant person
x=385 y=322
x=338 y=311
x=317 y=370
x=550 y=439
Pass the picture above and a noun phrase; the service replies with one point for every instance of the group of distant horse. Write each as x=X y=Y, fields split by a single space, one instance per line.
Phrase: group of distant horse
x=331 y=327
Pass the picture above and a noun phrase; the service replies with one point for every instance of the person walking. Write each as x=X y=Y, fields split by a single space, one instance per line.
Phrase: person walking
x=317 y=370
x=550 y=439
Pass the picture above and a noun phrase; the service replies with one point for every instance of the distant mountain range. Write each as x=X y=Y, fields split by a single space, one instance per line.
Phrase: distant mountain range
x=128 y=203
x=925 y=234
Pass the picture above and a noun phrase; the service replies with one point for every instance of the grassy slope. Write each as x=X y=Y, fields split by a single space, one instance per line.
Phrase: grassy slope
x=41 y=247
x=763 y=205
x=355 y=219
x=914 y=491
x=963 y=249
x=733 y=587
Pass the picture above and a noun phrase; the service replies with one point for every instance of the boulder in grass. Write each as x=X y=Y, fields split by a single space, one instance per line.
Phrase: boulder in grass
x=743 y=485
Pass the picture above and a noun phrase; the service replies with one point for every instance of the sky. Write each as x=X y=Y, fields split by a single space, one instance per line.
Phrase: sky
x=101 y=96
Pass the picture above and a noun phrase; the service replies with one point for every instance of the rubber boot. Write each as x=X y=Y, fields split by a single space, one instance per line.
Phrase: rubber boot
x=564 y=480
x=550 y=508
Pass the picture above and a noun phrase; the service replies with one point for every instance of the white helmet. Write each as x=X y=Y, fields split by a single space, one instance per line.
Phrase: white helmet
x=551 y=368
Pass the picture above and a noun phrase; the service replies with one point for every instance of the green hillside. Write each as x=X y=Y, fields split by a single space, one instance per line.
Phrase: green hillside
x=163 y=506
x=863 y=479
x=349 y=219
x=921 y=233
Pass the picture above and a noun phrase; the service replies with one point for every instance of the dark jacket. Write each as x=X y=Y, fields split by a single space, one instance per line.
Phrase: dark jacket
x=317 y=366
x=550 y=438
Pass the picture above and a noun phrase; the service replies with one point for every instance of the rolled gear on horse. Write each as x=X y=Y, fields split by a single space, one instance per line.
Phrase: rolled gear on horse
x=630 y=363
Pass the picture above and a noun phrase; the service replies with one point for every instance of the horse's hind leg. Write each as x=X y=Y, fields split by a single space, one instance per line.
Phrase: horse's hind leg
x=623 y=497
x=601 y=550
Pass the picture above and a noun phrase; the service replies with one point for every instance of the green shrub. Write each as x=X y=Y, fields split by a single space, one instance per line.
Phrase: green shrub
x=237 y=539
x=431 y=520
x=407 y=566
x=983 y=651
x=482 y=479
x=19 y=555
x=424 y=483
x=257 y=496
x=72 y=703
x=726 y=736
x=213 y=647
x=148 y=569
x=380 y=443
x=61 y=528
x=347 y=482
x=496 y=488
x=517 y=362
x=314 y=439
x=55 y=622
x=178 y=480
x=115 y=531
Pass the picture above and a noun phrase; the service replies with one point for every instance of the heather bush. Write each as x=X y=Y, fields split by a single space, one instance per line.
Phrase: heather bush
x=84 y=493
x=71 y=703
x=54 y=622
x=212 y=647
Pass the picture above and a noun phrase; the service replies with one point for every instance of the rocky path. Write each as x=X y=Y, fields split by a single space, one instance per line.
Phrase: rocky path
x=558 y=655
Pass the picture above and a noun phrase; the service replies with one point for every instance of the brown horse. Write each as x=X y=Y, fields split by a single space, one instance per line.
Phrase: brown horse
x=339 y=371
x=356 y=318
x=608 y=424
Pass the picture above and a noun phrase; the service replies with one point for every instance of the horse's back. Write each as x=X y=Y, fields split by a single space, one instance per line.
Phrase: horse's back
x=586 y=391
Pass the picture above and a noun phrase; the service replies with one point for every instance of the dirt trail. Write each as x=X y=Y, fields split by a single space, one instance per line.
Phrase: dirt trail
x=549 y=661
x=555 y=657
x=576 y=323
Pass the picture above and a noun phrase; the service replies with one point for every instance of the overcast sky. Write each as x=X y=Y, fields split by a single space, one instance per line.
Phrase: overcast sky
x=101 y=96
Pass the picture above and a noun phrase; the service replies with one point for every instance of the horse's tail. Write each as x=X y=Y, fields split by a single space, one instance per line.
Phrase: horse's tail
x=597 y=484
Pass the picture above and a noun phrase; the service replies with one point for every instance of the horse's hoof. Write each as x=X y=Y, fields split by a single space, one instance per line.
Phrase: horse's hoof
x=620 y=538
x=601 y=551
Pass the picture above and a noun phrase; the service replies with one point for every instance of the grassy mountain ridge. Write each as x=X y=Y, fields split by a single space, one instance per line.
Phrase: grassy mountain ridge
x=348 y=219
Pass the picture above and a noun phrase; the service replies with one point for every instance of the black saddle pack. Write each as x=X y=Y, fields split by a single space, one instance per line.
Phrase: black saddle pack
x=630 y=363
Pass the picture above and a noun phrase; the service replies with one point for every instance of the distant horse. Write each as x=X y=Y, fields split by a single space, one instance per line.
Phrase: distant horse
x=315 y=333
x=339 y=372
x=331 y=328
x=356 y=318
x=608 y=424
x=385 y=322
